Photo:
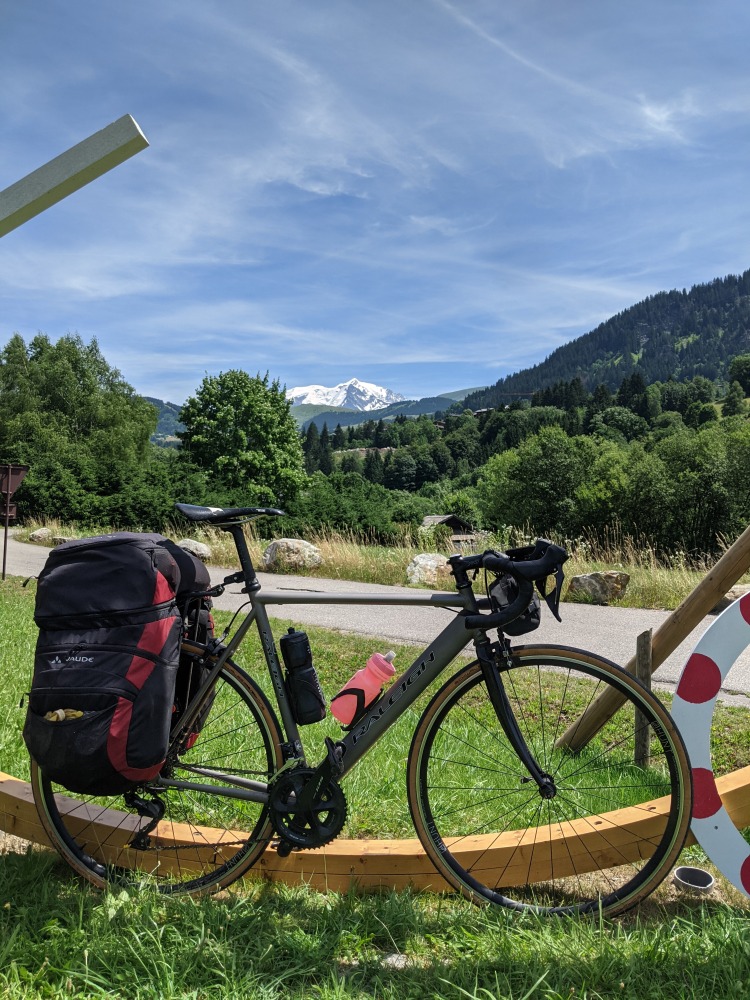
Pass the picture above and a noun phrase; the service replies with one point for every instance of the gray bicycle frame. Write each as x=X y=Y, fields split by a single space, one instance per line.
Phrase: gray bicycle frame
x=389 y=707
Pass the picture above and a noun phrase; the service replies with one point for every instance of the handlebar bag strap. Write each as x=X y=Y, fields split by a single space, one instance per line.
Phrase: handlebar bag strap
x=502 y=593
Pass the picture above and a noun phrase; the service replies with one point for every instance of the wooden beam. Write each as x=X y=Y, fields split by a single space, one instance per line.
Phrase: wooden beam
x=733 y=564
x=69 y=171
x=582 y=845
x=642 y=748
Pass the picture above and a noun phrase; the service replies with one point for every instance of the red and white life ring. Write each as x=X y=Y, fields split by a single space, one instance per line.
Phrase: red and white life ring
x=693 y=710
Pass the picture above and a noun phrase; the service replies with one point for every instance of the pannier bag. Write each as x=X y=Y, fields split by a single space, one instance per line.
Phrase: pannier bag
x=198 y=625
x=103 y=692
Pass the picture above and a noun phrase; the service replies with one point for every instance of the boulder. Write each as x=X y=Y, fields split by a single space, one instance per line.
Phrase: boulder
x=291 y=553
x=41 y=535
x=598 y=588
x=428 y=568
x=62 y=539
x=734 y=594
x=197 y=549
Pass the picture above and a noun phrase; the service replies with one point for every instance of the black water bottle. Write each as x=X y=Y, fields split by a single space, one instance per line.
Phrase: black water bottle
x=305 y=695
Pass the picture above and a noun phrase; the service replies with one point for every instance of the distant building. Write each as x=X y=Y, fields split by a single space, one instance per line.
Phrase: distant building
x=461 y=531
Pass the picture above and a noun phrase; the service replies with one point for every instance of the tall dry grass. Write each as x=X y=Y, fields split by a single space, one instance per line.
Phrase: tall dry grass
x=345 y=555
x=656 y=580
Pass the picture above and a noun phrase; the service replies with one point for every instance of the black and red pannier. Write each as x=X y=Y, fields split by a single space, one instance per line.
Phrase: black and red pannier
x=198 y=625
x=107 y=658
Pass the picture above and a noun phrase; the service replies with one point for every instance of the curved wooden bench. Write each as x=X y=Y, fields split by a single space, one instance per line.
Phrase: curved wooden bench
x=400 y=863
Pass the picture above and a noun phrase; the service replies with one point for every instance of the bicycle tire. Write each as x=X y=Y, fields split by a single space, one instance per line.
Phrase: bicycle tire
x=600 y=844
x=204 y=841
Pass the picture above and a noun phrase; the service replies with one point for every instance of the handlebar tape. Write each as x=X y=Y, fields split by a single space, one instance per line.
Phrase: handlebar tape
x=539 y=562
x=544 y=559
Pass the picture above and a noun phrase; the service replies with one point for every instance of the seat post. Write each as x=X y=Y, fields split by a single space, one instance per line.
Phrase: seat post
x=251 y=580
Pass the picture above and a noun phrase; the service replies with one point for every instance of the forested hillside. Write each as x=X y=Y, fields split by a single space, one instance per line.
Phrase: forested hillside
x=405 y=408
x=669 y=335
x=666 y=460
x=167 y=422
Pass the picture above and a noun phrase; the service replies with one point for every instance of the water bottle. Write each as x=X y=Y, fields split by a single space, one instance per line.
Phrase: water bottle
x=363 y=688
x=307 y=699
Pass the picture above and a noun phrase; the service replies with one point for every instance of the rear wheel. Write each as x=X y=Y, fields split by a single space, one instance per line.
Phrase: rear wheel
x=203 y=840
x=610 y=831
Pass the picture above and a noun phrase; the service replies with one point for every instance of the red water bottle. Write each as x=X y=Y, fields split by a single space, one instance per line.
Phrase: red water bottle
x=363 y=688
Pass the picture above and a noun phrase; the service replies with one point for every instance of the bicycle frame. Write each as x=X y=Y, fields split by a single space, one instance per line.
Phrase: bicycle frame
x=386 y=710
x=488 y=734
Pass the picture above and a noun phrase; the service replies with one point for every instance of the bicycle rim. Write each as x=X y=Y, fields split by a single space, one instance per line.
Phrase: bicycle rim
x=612 y=830
x=204 y=840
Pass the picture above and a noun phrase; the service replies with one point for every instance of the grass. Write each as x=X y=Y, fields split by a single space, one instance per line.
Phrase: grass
x=656 y=581
x=268 y=942
x=60 y=938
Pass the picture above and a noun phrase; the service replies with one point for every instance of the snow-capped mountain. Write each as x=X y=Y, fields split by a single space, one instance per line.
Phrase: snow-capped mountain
x=351 y=395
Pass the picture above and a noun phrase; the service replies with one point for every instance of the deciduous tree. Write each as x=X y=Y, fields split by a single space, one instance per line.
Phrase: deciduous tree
x=239 y=429
x=83 y=430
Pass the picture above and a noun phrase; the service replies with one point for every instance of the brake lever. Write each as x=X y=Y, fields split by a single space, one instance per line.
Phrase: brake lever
x=552 y=600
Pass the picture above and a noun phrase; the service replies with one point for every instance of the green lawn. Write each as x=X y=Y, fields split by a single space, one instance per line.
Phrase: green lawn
x=59 y=937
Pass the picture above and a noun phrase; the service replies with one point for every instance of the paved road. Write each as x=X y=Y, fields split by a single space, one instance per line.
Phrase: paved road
x=611 y=632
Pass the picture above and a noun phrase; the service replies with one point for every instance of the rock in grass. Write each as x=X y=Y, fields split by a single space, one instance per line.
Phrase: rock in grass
x=598 y=588
x=429 y=568
x=197 y=549
x=41 y=535
x=733 y=594
x=291 y=553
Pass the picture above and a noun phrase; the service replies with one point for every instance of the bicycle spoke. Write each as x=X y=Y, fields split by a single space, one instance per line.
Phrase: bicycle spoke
x=203 y=838
x=556 y=847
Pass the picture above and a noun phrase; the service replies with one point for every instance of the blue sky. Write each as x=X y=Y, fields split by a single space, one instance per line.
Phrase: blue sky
x=425 y=194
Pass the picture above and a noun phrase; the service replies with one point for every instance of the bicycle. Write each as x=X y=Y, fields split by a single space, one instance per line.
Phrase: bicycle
x=506 y=814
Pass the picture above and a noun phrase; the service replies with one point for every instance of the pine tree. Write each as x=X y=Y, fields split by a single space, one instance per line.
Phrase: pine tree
x=373 y=468
x=326 y=452
x=311 y=449
x=734 y=401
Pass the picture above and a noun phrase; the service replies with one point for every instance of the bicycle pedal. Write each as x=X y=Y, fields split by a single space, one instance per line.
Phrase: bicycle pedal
x=284 y=848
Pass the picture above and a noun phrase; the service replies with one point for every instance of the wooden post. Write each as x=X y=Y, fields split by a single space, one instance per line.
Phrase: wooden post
x=714 y=585
x=642 y=750
x=11 y=477
x=69 y=171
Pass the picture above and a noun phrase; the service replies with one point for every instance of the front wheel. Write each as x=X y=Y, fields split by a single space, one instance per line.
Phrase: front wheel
x=204 y=840
x=611 y=830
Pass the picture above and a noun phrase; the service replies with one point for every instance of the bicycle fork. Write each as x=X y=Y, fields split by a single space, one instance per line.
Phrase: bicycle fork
x=488 y=655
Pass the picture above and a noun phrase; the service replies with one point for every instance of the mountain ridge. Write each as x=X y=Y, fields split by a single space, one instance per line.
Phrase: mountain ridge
x=676 y=334
x=168 y=424
x=353 y=394
x=305 y=415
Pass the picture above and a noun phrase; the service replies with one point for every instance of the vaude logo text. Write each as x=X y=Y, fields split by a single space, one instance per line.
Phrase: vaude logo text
x=57 y=662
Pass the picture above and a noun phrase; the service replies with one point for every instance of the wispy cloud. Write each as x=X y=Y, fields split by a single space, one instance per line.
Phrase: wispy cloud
x=426 y=195
x=670 y=117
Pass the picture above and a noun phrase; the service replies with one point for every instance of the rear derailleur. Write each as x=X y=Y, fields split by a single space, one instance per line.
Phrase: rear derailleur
x=153 y=809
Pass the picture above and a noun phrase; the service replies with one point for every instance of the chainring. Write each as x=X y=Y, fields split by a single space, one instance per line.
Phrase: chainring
x=311 y=827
